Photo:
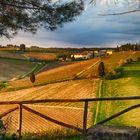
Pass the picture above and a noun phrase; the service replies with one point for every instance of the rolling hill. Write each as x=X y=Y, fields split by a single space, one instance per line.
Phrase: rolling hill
x=58 y=74
x=12 y=55
x=11 y=68
x=73 y=88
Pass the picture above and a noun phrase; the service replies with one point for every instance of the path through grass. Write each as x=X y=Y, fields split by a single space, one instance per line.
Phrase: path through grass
x=128 y=85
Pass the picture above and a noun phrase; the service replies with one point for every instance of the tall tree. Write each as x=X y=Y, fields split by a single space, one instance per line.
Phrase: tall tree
x=29 y=15
x=32 y=77
x=101 y=69
x=22 y=47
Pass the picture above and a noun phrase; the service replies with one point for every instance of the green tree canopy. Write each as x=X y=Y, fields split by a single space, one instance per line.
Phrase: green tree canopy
x=29 y=15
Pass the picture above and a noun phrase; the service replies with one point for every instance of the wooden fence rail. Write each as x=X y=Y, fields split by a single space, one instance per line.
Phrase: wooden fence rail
x=22 y=105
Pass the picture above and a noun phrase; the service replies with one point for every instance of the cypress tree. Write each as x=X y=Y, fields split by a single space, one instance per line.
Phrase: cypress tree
x=32 y=77
x=101 y=69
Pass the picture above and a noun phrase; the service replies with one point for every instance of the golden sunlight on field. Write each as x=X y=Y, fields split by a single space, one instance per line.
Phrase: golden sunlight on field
x=35 y=124
x=67 y=90
x=41 y=56
x=70 y=113
x=56 y=74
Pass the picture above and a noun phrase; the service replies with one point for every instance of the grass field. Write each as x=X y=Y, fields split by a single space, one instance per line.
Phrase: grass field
x=128 y=85
x=13 y=68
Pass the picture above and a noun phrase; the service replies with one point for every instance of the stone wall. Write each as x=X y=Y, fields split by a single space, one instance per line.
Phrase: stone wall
x=106 y=132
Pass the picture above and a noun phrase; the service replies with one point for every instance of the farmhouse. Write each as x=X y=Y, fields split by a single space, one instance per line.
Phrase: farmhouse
x=109 y=52
x=83 y=55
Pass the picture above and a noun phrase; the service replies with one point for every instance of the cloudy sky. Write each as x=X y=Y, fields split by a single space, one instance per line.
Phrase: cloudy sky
x=91 y=29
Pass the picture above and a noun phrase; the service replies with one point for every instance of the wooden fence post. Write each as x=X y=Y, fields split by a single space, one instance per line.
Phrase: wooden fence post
x=85 y=117
x=20 y=121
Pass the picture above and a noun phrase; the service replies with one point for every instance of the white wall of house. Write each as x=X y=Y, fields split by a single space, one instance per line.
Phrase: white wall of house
x=109 y=52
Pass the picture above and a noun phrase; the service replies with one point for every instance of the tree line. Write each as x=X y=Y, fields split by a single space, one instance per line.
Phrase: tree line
x=129 y=47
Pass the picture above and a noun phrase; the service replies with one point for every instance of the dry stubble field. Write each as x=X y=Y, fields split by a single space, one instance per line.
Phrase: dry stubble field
x=71 y=113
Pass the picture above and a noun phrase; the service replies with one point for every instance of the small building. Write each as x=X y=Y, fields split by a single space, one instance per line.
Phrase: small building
x=109 y=52
x=83 y=55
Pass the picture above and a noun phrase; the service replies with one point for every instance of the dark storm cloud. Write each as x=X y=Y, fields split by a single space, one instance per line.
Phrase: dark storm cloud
x=91 y=29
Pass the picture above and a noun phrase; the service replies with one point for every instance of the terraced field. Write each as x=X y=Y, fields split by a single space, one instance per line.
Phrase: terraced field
x=40 y=56
x=71 y=113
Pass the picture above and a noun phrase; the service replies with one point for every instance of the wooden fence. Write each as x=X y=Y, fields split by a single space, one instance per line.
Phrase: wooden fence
x=22 y=105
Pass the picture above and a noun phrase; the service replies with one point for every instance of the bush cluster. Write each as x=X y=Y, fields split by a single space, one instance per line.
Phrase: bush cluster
x=124 y=62
x=3 y=84
x=138 y=58
x=116 y=73
x=129 y=61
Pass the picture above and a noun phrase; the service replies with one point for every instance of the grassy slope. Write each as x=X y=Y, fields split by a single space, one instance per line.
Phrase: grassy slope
x=13 y=68
x=128 y=85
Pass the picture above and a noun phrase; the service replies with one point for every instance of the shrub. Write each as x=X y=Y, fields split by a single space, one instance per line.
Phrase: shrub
x=11 y=137
x=101 y=69
x=109 y=76
x=117 y=73
x=118 y=69
x=131 y=60
x=138 y=58
x=127 y=61
x=3 y=84
x=122 y=62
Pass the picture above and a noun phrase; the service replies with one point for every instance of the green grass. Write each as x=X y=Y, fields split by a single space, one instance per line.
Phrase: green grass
x=46 y=137
x=96 y=105
x=65 y=134
x=128 y=85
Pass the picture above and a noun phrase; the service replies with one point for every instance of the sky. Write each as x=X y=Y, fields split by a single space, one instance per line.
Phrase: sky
x=93 y=28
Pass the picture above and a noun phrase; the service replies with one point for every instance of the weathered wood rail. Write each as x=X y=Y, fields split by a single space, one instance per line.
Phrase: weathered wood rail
x=22 y=105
